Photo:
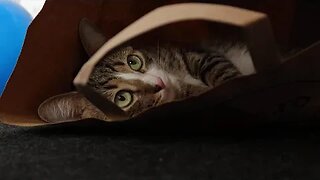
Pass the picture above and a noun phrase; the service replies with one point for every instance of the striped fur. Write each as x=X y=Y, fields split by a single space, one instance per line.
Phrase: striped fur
x=184 y=72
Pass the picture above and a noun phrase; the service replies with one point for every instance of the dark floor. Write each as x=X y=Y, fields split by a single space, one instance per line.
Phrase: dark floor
x=85 y=153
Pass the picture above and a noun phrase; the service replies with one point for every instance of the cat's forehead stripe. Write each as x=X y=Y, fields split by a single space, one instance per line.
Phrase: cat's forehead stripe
x=118 y=63
x=112 y=86
x=111 y=67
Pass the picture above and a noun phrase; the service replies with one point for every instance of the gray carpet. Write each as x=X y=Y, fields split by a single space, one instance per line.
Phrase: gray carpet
x=87 y=152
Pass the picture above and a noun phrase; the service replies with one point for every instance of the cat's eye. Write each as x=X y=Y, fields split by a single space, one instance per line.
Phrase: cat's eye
x=123 y=99
x=134 y=62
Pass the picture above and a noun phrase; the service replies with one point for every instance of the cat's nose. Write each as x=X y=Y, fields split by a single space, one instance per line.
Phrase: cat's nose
x=159 y=85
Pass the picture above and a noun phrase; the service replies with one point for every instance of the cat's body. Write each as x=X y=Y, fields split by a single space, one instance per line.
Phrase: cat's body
x=137 y=79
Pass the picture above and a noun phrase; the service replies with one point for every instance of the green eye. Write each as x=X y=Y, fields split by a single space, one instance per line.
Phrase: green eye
x=123 y=99
x=134 y=62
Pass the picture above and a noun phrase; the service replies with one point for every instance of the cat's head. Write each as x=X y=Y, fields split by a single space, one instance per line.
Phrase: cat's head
x=131 y=78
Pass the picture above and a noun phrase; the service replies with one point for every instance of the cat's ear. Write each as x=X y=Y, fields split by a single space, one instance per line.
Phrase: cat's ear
x=91 y=37
x=63 y=108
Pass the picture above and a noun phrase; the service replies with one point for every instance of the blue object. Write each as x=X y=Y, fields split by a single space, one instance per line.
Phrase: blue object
x=14 y=21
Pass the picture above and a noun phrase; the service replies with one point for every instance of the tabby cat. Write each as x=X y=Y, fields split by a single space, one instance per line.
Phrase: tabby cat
x=137 y=79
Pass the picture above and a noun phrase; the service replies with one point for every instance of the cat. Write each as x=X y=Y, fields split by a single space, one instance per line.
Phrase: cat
x=137 y=79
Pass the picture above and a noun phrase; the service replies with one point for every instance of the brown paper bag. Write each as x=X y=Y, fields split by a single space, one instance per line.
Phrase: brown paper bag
x=52 y=56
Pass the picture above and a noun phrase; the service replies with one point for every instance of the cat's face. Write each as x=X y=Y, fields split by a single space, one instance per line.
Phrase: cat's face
x=135 y=79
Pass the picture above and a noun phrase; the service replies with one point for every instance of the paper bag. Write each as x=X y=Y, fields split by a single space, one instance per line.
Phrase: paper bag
x=53 y=60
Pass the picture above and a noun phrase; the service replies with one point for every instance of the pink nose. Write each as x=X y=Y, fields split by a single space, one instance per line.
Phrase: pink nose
x=160 y=84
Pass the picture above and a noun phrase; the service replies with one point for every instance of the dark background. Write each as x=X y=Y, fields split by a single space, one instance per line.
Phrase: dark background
x=89 y=151
x=94 y=151
x=295 y=22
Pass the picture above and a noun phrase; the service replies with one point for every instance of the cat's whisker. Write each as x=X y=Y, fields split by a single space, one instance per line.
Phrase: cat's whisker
x=157 y=101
